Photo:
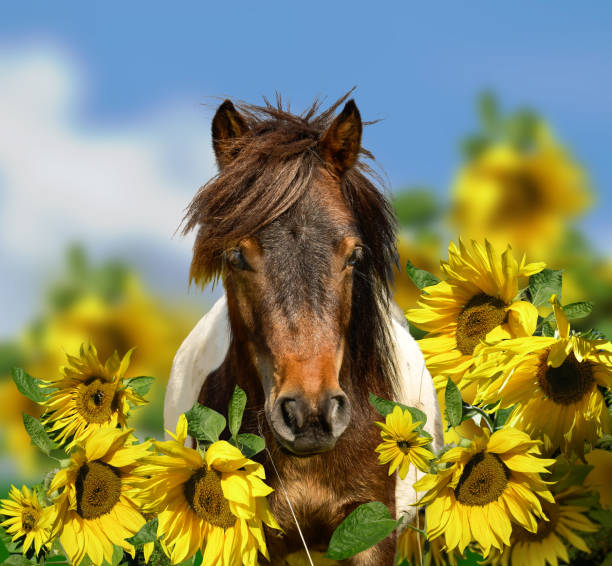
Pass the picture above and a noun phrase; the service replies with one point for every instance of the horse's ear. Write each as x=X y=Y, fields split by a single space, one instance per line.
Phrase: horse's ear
x=340 y=143
x=227 y=125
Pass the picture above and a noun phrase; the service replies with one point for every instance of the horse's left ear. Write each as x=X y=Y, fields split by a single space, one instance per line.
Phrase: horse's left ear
x=227 y=125
x=340 y=143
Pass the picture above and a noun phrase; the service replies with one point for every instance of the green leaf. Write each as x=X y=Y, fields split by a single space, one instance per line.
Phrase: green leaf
x=141 y=384
x=454 y=404
x=38 y=434
x=581 y=309
x=415 y=207
x=3 y=552
x=204 y=423
x=385 y=407
x=18 y=560
x=28 y=385
x=472 y=146
x=603 y=517
x=575 y=476
x=489 y=112
x=147 y=533
x=543 y=285
x=236 y=410
x=521 y=127
x=250 y=444
x=366 y=526
x=501 y=416
x=420 y=277
x=548 y=329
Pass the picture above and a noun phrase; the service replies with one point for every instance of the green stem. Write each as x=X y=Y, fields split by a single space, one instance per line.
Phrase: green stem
x=484 y=415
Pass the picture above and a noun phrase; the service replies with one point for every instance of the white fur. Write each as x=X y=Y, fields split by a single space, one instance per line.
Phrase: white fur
x=206 y=346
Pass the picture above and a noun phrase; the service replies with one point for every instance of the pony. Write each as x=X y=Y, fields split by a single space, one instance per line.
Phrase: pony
x=298 y=229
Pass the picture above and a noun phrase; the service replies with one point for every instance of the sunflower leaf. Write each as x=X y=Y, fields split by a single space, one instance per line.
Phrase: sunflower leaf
x=28 y=385
x=366 y=526
x=501 y=416
x=147 y=533
x=603 y=517
x=548 y=329
x=575 y=476
x=38 y=434
x=544 y=284
x=141 y=384
x=578 y=310
x=488 y=111
x=236 y=410
x=203 y=423
x=385 y=407
x=454 y=404
x=420 y=277
x=250 y=444
x=17 y=560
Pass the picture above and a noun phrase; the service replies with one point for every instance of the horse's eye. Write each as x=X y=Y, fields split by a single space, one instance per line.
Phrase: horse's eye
x=355 y=257
x=236 y=259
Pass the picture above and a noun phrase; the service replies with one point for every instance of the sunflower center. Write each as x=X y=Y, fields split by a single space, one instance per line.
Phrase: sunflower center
x=28 y=520
x=404 y=446
x=521 y=197
x=98 y=488
x=205 y=496
x=483 y=480
x=551 y=510
x=481 y=314
x=568 y=383
x=96 y=400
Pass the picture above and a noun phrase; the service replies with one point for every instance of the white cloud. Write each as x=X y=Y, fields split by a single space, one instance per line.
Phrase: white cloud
x=62 y=180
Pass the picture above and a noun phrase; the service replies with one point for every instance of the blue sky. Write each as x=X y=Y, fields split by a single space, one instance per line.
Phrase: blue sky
x=144 y=68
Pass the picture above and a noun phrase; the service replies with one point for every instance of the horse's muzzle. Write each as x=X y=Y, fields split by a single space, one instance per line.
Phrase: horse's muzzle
x=304 y=427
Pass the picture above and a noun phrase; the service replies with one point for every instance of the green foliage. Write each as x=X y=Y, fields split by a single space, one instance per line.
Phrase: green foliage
x=501 y=416
x=416 y=208
x=543 y=285
x=236 y=410
x=420 y=277
x=366 y=526
x=250 y=444
x=204 y=424
x=28 y=385
x=141 y=384
x=38 y=434
x=147 y=533
x=454 y=404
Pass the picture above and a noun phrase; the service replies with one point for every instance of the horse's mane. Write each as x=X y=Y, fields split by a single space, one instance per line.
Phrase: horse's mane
x=278 y=159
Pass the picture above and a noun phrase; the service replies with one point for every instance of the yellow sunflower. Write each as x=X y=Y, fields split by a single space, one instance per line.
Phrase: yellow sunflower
x=487 y=486
x=215 y=503
x=554 y=383
x=88 y=396
x=402 y=444
x=549 y=542
x=477 y=300
x=27 y=519
x=520 y=197
x=599 y=477
x=97 y=501
x=411 y=547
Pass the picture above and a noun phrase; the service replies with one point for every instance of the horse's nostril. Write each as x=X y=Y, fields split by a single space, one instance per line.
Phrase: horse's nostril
x=293 y=414
x=337 y=413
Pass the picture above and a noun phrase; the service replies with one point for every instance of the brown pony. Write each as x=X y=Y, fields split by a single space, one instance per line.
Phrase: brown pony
x=304 y=242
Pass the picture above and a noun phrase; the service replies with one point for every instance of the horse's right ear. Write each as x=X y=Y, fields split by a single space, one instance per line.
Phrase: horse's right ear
x=227 y=125
x=340 y=144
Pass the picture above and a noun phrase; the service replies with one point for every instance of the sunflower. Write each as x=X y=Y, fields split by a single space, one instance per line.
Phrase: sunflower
x=88 y=396
x=554 y=383
x=549 y=542
x=520 y=197
x=27 y=519
x=97 y=500
x=487 y=486
x=410 y=547
x=402 y=444
x=477 y=300
x=599 y=477
x=215 y=503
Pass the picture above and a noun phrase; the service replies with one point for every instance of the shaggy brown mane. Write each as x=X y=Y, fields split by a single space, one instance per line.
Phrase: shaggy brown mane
x=274 y=167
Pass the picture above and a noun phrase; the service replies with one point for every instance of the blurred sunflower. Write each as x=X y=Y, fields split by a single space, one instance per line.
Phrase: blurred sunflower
x=599 y=477
x=477 y=300
x=488 y=486
x=88 y=396
x=215 y=503
x=402 y=445
x=96 y=502
x=521 y=196
x=27 y=519
x=554 y=383
x=549 y=543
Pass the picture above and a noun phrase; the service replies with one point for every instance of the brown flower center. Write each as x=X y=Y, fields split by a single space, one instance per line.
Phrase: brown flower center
x=98 y=488
x=481 y=314
x=551 y=510
x=97 y=400
x=205 y=496
x=568 y=383
x=28 y=520
x=521 y=197
x=483 y=480
x=404 y=446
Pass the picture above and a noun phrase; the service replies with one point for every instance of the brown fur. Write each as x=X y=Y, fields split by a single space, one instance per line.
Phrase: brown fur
x=298 y=311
